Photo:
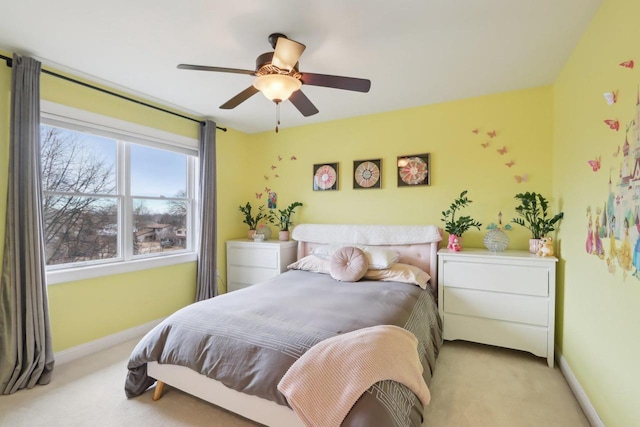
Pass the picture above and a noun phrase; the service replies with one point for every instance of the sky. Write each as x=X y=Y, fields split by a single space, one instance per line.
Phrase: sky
x=157 y=172
x=154 y=172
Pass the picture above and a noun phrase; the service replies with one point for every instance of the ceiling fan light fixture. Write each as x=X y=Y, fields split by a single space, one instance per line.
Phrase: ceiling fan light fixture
x=287 y=52
x=277 y=87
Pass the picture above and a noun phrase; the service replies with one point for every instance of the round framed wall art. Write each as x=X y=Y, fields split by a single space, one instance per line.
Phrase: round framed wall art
x=413 y=170
x=367 y=174
x=325 y=176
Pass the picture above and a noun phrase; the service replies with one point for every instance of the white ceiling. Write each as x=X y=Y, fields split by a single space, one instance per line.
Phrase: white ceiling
x=415 y=52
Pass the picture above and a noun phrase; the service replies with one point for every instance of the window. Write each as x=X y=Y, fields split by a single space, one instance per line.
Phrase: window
x=160 y=203
x=113 y=197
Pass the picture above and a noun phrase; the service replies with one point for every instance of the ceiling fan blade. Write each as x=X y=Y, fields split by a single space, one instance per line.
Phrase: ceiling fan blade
x=287 y=53
x=219 y=69
x=303 y=104
x=336 y=82
x=239 y=98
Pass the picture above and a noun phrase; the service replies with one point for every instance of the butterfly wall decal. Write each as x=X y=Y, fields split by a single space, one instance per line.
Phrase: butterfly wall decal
x=511 y=163
x=266 y=178
x=258 y=195
x=613 y=124
x=277 y=176
x=611 y=97
x=294 y=158
x=502 y=150
x=595 y=163
x=521 y=178
x=476 y=130
x=267 y=190
x=492 y=134
x=273 y=167
x=485 y=144
x=627 y=64
x=279 y=158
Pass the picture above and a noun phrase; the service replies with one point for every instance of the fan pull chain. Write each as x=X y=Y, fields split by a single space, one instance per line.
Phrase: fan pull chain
x=277 y=116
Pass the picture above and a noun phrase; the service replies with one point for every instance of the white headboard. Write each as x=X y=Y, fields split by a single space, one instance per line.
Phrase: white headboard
x=416 y=244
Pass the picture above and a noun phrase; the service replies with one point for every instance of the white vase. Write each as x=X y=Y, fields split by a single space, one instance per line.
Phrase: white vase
x=265 y=231
x=534 y=245
x=496 y=240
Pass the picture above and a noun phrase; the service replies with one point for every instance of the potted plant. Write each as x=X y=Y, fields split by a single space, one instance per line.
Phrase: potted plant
x=533 y=215
x=457 y=226
x=282 y=219
x=250 y=220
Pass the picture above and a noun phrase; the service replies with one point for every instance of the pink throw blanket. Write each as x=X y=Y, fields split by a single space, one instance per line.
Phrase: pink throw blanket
x=324 y=384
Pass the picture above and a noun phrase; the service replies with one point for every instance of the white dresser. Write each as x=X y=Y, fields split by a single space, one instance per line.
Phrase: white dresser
x=250 y=262
x=505 y=299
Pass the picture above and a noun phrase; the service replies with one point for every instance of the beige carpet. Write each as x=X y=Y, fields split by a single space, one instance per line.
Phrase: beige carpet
x=474 y=385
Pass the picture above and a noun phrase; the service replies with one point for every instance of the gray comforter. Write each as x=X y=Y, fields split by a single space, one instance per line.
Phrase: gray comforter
x=247 y=339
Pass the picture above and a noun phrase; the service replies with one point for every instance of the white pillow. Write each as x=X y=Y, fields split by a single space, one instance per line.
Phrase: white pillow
x=326 y=251
x=311 y=263
x=403 y=273
x=379 y=258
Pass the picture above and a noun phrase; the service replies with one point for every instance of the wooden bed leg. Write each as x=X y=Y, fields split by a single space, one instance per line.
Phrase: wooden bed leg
x=157 y=394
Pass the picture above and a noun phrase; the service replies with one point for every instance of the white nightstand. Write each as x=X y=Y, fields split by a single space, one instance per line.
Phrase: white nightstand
x=505 y=299
x=250 y=262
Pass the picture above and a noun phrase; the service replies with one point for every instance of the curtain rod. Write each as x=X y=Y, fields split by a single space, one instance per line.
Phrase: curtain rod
x=69 y=79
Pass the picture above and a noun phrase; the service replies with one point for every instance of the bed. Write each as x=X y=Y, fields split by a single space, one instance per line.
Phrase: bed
x=235 y=350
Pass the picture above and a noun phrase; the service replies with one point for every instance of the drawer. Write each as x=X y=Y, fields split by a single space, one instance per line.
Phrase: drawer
x=250 y=275
x=254 y=257
x=517 y=279
x=498 y=306
x=496 y=332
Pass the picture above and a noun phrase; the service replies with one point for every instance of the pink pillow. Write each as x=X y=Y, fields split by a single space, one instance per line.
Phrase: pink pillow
x=348 y=264
x=399 y=272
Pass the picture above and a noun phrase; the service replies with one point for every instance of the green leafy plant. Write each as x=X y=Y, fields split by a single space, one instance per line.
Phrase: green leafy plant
x=534 y=215
x=249 y=219
x=458 y=226
x=282 y=219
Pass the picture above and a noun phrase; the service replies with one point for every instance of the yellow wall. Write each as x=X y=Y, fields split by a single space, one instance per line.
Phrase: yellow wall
x=523 y=124
x=86 y=310
x=234 y=158
x=598 y=335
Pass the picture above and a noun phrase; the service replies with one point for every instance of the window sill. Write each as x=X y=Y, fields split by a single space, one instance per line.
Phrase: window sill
x=71 y=275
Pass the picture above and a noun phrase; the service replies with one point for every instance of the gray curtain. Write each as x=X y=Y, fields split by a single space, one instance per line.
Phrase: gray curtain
x=207 y=286
x=26 y=353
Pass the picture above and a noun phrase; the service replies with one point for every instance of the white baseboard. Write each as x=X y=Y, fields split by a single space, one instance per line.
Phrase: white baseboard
x=73 y=353
x=578 y=392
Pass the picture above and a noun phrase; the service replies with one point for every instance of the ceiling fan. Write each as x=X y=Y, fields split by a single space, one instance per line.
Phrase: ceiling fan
x=278 y=77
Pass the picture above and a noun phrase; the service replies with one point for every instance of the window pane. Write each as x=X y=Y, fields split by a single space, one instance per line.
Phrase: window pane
x=80 y=229
x=157 y=173
x=76 y=162
x=159 y=225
